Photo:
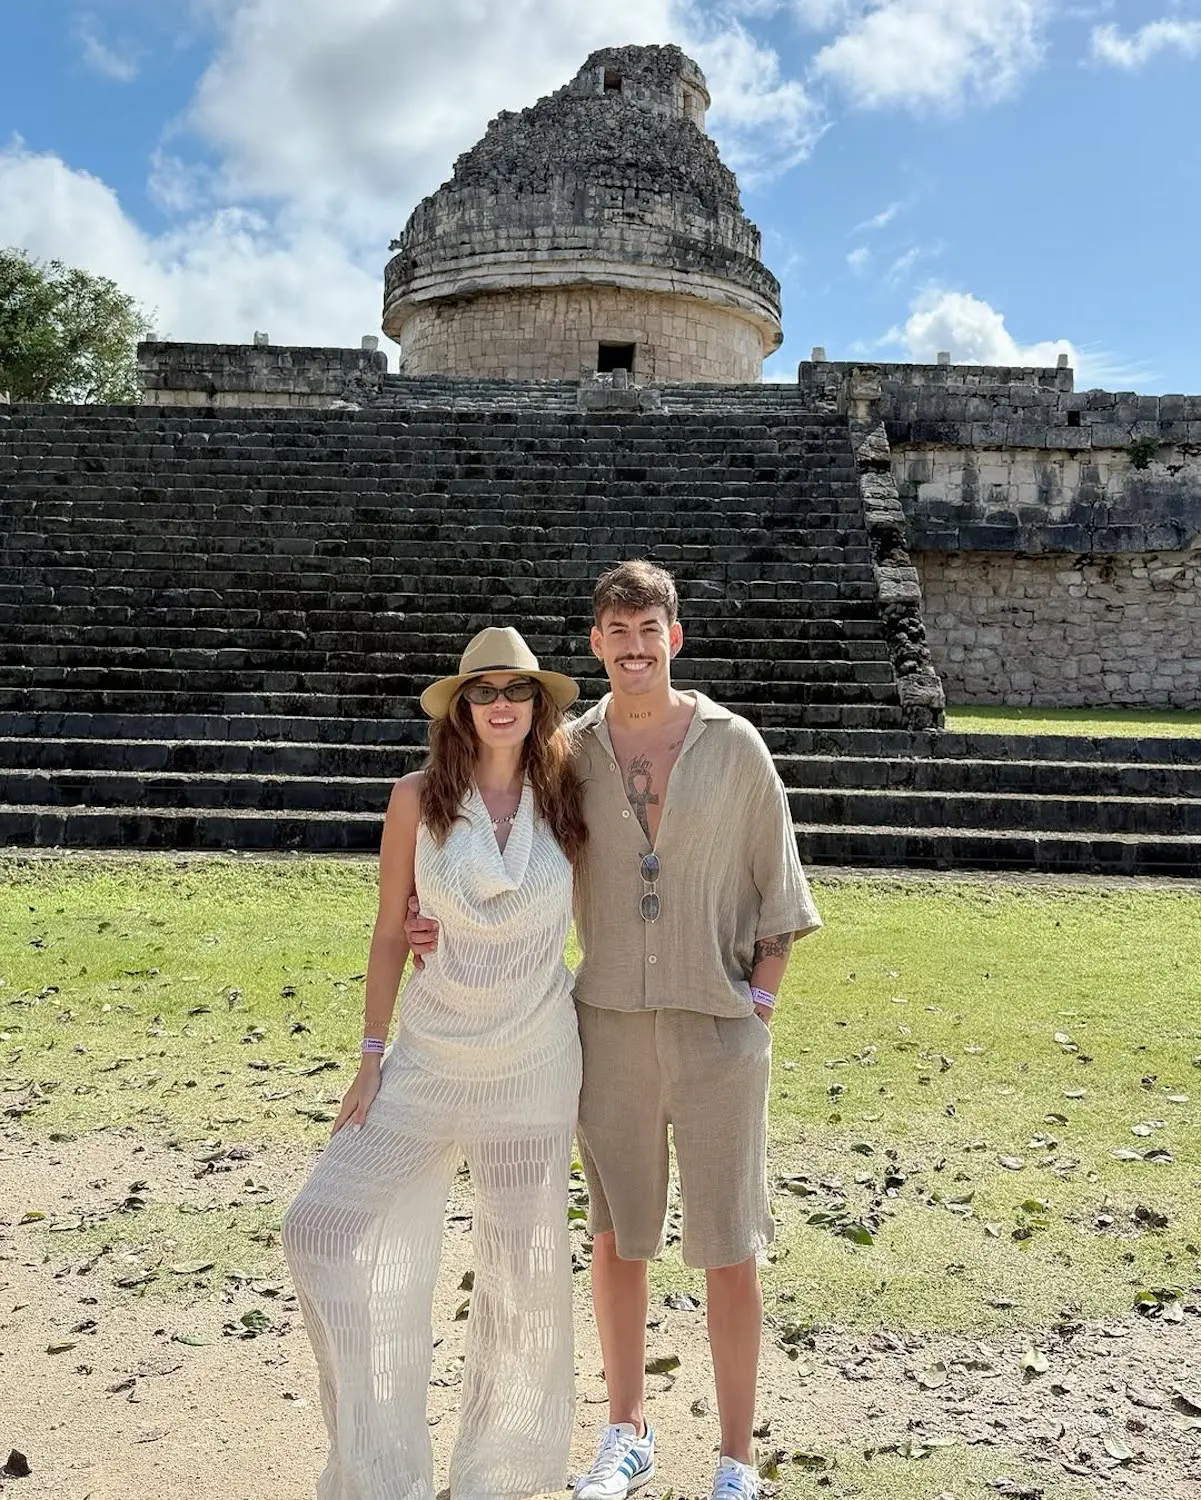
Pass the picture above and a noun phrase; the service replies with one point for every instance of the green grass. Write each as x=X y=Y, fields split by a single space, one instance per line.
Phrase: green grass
x=1100 y=722
x=917 y=1034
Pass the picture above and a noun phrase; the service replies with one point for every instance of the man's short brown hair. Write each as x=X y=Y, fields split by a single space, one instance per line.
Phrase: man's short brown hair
x=633 y=585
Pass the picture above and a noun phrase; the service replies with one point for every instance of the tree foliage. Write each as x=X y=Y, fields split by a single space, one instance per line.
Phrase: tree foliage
x=66 y=335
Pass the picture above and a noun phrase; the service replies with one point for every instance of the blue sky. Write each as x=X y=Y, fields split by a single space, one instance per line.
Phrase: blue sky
x=1001 y=178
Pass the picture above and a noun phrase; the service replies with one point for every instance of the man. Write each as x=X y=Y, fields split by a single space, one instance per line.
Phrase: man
x=688 y=898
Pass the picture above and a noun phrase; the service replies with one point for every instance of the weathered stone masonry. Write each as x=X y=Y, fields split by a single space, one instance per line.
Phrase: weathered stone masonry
x=596 y=229
x=228 y=375
x=1057 y=534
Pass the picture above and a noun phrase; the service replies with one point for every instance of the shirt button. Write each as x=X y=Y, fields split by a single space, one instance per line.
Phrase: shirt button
x=651 y=959
x=625 y=812
x=613 y=765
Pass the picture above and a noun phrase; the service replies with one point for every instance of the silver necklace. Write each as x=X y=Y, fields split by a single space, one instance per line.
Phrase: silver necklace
x=508 y=818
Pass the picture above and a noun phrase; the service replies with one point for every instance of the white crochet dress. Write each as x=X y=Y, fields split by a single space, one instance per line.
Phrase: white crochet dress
x=485 y=1064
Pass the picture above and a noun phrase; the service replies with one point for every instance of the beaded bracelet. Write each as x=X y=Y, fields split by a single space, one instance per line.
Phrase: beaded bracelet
x=764 y=998
x=373 y=1046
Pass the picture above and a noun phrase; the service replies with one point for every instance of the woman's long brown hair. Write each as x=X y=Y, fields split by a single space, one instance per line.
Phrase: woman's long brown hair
x=545 y=761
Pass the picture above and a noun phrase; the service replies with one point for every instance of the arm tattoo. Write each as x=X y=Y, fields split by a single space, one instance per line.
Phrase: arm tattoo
x=773 y=947
x=638 y=790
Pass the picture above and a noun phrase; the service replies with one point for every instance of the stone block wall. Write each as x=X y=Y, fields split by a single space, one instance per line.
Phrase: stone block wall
x=225 y=375
x=1096 y=501
x=553 y=334
x=1065 y=631
x=1056 y=534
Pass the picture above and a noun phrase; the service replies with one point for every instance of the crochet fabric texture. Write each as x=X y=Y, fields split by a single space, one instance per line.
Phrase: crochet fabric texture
x=485 y=1065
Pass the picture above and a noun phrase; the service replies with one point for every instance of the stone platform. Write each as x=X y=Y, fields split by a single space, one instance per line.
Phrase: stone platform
x=214 y=623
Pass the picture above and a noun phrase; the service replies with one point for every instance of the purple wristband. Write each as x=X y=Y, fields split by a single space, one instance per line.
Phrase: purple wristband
x=763 y=997
x=373 y=1046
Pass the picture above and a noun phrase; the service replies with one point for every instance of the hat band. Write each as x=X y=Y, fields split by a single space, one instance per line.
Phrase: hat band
x=499 y=667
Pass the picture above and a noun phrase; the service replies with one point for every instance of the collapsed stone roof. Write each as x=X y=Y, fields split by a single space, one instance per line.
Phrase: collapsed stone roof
x=611 y=172
x=606 y=135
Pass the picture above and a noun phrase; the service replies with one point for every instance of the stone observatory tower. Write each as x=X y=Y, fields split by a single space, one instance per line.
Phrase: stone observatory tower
x=596 y=230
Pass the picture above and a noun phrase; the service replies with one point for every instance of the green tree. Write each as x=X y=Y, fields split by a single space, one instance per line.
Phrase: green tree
x=66 y=335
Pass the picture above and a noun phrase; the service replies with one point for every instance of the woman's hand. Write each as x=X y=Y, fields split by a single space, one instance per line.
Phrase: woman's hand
x=359 y=1096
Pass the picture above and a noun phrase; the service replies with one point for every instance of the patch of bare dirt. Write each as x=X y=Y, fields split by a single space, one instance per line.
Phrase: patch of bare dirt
x=111 y=1390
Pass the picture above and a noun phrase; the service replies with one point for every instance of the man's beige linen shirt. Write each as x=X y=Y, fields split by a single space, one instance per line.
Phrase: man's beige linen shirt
x=730 y=874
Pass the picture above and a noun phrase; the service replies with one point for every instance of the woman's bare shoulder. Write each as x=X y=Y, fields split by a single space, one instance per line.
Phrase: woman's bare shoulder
x=405 y=800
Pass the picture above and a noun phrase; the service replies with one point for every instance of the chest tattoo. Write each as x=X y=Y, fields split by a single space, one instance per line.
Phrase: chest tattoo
x=640 y=790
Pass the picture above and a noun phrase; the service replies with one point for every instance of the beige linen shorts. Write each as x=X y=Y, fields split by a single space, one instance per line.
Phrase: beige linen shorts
x=705 y=1076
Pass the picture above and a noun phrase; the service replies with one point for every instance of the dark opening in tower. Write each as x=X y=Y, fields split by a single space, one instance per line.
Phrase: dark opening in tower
x=611 y=357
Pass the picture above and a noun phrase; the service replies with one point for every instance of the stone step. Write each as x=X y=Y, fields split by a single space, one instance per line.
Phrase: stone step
x=859 y=709
x=443 y=630
x=924 y=745
x=502 y=541
x=687 y=461
x=944 y=774
x=660 y=531
x=692 y=578
x=346 y=649
x=267 y=730
x=981 y=813
x=513 y=602
x=789 y=474
x=1052 y=853
x=168 y=828
x=323 y=428
x=145 y=790
x=159 y=669
x=985 y=811
x=215 y=757
x=437 y=560
x=823 y=775
x=314 y=831
x=794 y=700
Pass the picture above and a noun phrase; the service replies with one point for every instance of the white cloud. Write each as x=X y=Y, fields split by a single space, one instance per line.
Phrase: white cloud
x=215 y=277
x=976 y=333
x=764 y=123
x=879 y=221
x=859 y=259
x=101 y=58
x=357 y=110
x=903 y=264
x=322 y=126
x=1110 y=46
x=935 y=52
x=973 y=331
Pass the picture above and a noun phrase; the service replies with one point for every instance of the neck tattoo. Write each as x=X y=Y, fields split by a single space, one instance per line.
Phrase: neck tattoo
x=639 y=716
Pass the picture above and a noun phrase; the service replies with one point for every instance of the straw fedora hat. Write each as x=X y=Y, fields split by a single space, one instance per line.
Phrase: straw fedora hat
x=496 y=649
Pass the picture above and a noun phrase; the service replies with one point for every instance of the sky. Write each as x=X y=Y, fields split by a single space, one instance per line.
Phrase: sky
x=1003 y=179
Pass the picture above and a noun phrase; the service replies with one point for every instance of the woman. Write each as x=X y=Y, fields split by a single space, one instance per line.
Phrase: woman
x=486 y=1064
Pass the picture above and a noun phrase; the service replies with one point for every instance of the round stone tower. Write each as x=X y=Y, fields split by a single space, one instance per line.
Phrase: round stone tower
x=596 y=230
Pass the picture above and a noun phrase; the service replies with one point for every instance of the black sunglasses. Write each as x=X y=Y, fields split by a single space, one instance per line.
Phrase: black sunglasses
x=649 y=905
x=482 y=693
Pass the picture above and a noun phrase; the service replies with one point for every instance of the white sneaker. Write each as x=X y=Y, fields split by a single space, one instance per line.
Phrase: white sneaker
x=624 y=1462
x=735 y=1481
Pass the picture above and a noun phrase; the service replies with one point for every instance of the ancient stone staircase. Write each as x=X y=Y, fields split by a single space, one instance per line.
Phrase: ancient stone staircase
x=214 y=625
x=465 y=393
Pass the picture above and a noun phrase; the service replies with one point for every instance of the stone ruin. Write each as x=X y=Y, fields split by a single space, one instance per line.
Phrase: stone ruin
x=217 y=609
x=597 y=230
